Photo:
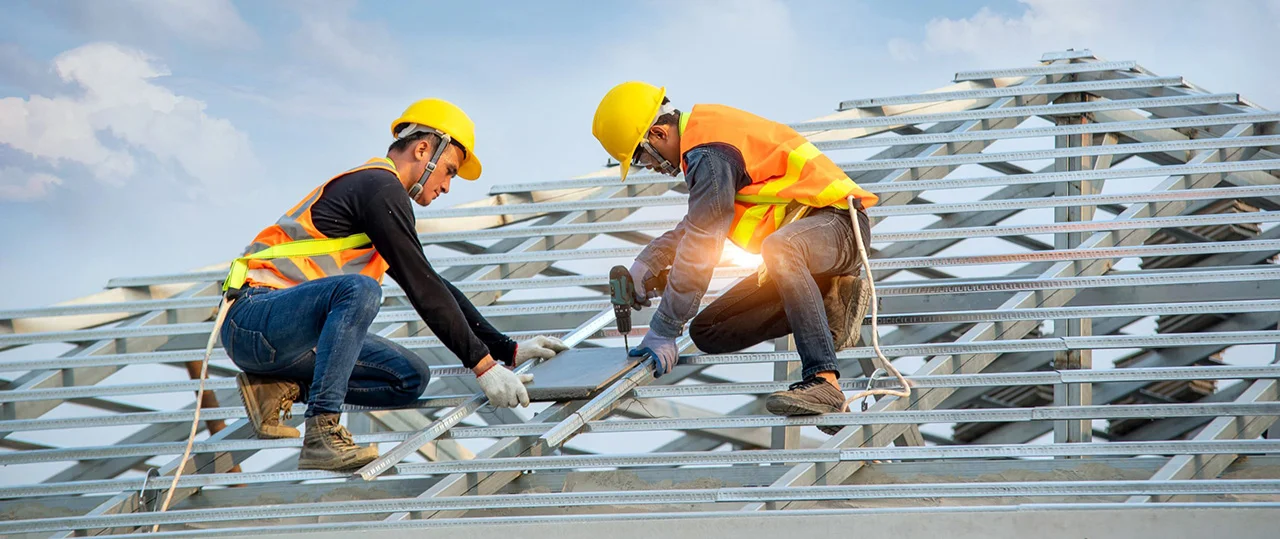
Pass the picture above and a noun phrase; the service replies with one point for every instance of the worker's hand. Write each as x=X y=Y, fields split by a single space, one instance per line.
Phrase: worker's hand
x=640 y=273
x=661 y=350
x=503 y=388
x=540 y=347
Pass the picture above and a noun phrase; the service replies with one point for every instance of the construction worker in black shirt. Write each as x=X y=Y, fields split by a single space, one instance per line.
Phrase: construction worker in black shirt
x=299 y=326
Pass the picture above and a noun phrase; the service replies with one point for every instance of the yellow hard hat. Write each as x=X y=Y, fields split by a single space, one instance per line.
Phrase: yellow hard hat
x=447 y=118
x=623 y=118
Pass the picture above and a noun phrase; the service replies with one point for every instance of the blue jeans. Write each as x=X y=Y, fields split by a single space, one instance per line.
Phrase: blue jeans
x=317 y=334
x=802 y=258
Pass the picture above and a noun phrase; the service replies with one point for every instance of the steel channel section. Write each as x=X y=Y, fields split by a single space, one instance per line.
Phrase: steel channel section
x=73 y=392
x=996 y=315
x=1019 y=112
x=1051 y=69
x=690 y=458
x=1021 y=345
x=1075 y=151
x=1043 y=177
x=709 y=496
x=1130 y=126
x=1153 y=374
x=1015 y=91
x=540 y=430
x=809 y=474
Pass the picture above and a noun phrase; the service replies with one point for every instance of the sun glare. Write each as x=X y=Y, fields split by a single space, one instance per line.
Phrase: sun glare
x=738 y=257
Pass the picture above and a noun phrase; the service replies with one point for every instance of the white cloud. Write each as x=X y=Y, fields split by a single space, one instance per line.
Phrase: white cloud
x=19 y=185
x=329 y=37
x=216 y=23
x=122 y=107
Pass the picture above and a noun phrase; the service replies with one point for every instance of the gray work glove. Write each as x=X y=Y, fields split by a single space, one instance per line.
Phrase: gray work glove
x=505 y=388
x=661 y=350
x=540 y=347
x=640 y=273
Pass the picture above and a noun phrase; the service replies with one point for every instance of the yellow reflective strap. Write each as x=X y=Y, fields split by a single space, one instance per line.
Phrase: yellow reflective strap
x=746 y=227
x=779 y=215
x=761 y=199
x=292 y=249
x=832 y=195
x=235 y=277
x=796 y=161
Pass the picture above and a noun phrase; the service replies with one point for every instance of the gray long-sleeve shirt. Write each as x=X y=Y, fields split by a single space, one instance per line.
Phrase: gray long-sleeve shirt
x=715 y=174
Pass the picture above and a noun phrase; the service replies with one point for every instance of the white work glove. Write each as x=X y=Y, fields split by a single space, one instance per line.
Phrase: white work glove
x=540 y=347
x=505 y=388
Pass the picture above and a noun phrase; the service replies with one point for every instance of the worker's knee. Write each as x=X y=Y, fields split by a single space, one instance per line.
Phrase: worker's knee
x=414 y=382
x=360 y=291
x=779 y=254
x=705 y=336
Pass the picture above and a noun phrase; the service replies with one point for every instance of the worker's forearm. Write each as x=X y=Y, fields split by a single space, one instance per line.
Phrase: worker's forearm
x=502 y=347
x=660 y=252
x=711 y=189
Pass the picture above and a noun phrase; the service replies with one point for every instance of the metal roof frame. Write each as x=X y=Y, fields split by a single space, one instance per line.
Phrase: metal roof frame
x=1114 y=123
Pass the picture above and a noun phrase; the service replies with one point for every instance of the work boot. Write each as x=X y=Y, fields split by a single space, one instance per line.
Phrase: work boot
x=329 y=446
x=812 y=396
x=846 y=301
x=266 y=399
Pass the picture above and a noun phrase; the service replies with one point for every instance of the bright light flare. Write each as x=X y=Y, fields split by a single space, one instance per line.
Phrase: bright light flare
x=738 y=257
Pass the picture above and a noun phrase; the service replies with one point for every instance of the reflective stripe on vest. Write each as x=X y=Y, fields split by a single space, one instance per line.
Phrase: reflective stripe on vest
x=293 y=251
x=784 y=168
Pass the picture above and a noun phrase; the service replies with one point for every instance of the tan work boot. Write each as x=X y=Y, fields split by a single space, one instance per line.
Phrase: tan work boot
x=812 y=396
x=266 y=399
x=329 y=446
x=846 y=302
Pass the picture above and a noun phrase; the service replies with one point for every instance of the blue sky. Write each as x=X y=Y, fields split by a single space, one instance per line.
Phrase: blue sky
x=153 y=136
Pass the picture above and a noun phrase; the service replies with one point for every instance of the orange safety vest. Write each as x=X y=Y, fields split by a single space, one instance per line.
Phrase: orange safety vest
x=784 y=168
x=296 y=225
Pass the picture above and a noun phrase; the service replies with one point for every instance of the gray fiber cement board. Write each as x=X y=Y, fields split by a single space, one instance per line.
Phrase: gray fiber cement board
x=578 y=373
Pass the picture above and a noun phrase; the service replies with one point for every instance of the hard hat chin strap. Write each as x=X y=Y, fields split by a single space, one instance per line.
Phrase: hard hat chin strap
x=445 y=139
x=662 y=164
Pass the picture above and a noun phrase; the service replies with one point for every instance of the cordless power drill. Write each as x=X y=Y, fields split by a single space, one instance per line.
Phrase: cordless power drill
x=622 y=293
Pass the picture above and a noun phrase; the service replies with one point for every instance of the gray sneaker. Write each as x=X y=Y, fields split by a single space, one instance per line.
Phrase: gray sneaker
x=846 y=302
x=812 y=396
x=328 y=446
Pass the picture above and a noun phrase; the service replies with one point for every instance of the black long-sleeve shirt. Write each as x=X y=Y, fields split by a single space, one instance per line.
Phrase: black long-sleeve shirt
x=374 y=202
